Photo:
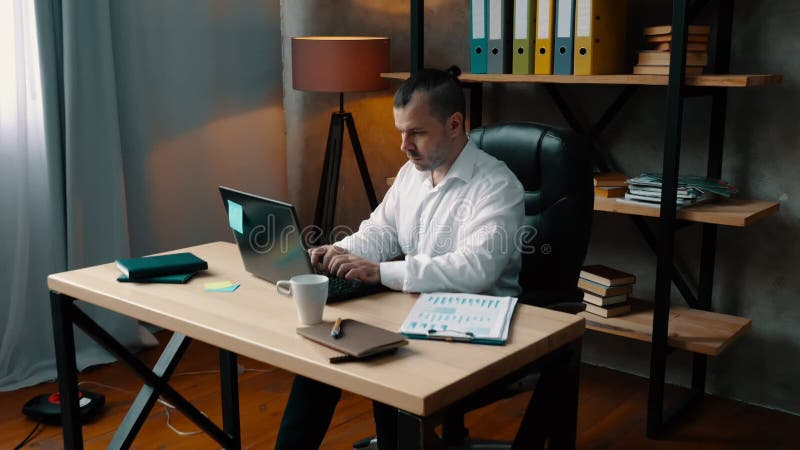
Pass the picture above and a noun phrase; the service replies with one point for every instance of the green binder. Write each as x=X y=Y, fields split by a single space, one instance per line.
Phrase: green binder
x=136 y=269
x=524 y=37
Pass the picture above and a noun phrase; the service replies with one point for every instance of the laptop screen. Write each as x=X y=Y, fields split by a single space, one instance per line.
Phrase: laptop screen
x=270 y=240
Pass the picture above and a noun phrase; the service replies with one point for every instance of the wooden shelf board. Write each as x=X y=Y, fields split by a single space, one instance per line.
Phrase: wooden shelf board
x=726 y=80
x=733 y=212
x=692 y=330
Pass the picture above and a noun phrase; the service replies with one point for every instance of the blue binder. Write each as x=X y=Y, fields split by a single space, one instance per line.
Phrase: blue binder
x=478 y=36
x=564 y=37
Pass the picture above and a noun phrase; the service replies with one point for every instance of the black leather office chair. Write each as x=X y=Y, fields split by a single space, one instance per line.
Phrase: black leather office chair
x=554 y=167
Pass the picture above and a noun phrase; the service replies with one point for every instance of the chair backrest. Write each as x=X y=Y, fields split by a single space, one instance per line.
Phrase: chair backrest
x=554 y=167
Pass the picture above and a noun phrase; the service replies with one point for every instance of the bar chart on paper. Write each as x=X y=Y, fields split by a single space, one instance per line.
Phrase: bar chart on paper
x=460 y=317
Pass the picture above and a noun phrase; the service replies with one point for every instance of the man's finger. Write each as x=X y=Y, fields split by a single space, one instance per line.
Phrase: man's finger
x=316 y=254
x=335 y=261
x=343 y=269
x=329 y=256
x=352 y=274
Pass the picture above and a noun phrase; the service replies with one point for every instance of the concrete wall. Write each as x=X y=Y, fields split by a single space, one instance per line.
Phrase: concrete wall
x=308 y=113
x=755 y=265
x=200 y=100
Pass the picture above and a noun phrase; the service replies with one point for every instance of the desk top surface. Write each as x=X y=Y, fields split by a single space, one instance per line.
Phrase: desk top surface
x=257 y=322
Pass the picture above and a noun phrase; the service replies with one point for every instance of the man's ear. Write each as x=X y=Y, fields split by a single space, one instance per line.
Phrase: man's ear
x=455 y=124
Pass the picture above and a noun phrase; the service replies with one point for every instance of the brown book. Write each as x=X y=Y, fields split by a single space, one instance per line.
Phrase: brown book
x=604 y=301
x=610 y=191
x=358 y=340
x=603 y=291
x=656 y=58
x=606 y=276
x=691 y=46
x=667 y=29
x=612 y=179
x=664 y=70
x=668 y=38
x=619 y=309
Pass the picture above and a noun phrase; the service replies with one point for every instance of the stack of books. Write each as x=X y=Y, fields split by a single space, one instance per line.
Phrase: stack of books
x=174 y=268
x=609 y=184
x=605 y=290
x=646 y=189
x=655 y=61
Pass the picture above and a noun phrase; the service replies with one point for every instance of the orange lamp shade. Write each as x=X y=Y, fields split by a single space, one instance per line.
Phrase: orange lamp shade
x=339 y=63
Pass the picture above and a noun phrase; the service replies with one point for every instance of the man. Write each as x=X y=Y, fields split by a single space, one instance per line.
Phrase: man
x=453 y=211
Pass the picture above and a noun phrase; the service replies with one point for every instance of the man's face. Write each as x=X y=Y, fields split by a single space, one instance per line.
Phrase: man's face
x=424 y=138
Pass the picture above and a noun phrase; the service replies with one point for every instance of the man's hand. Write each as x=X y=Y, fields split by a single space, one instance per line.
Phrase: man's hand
x=321 y=256
x=352 y=267
x=338 y=262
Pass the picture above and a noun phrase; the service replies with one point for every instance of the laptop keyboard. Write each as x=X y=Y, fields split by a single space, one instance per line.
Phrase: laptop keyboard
x=339 y=286
x=341 y=289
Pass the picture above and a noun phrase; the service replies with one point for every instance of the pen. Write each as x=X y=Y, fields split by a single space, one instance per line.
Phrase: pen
x=336 y=331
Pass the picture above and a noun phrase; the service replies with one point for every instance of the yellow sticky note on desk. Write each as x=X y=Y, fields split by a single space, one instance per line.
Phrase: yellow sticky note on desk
x=217 y=285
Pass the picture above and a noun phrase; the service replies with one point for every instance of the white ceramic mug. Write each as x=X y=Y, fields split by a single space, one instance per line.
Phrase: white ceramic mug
x=310 y=292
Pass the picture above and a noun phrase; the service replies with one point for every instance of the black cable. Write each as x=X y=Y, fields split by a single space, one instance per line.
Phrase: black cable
x=30 y=435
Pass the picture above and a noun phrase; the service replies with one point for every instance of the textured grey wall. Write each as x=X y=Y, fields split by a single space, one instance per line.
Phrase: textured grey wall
x=200 y=105
x=756 y=266
x=308 y=113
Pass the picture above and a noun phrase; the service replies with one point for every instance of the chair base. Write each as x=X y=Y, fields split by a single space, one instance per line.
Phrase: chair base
x=480 y=444
x=370 y=443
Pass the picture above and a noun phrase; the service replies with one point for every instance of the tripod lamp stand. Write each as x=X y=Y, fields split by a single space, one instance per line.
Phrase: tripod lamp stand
x=339 y=64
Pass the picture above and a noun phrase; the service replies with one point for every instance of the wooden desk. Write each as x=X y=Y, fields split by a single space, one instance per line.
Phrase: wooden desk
x=421 y=379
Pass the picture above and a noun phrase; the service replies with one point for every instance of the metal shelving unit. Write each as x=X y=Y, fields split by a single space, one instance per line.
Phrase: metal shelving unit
x=662 y=239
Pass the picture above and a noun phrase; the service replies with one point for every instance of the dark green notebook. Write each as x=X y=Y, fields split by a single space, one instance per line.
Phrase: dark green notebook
x=136 y=269
x=169 y=279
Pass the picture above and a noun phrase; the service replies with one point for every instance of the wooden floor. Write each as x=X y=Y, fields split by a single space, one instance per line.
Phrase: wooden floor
x=611 y=413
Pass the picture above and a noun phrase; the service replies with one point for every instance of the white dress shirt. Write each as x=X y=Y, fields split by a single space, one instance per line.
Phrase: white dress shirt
x=457 y=236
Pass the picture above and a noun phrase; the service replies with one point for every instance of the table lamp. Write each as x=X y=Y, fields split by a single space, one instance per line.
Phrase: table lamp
x=339 y=64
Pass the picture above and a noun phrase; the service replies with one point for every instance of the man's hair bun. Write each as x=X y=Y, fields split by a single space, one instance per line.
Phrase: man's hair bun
x=453 y=71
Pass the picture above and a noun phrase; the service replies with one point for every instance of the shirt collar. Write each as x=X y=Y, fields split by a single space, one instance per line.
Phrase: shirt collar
x=463 y=167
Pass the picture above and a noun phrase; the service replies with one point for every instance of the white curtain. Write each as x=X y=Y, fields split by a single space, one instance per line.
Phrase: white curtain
x=31 y=217
x=61 y=200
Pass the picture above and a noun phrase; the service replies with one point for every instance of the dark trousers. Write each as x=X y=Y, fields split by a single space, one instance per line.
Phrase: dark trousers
x=309 y=412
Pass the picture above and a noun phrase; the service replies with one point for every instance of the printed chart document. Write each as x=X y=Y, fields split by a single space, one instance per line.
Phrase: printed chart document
x=480 y=319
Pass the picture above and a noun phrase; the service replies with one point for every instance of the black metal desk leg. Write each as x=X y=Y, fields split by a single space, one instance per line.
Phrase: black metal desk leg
x=61 y=308
x=552 y=413
x=416 y=433
x=565 y=426
x=229 y=387
x=148 y=394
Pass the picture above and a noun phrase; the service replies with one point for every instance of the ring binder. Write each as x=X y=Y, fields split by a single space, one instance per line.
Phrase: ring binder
x=463 y=336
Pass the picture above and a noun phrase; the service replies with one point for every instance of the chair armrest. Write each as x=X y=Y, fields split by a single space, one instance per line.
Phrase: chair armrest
x=568 y=307
x=566 y=300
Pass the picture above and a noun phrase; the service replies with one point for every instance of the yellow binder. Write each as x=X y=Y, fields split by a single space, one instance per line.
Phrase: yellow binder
x=543 y=61
x=600 y=27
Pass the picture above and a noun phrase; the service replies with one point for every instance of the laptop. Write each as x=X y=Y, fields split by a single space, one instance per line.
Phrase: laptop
x=272 y=244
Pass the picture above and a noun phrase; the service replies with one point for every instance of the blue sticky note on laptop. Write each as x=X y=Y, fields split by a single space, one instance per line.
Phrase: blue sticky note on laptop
x=235 y=214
